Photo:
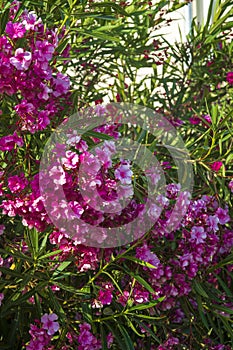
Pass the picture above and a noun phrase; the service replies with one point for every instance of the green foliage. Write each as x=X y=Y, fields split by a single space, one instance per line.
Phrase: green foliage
x=109 y=44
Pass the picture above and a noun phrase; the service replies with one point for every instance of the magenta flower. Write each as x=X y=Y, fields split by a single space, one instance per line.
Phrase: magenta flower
x=45 y=90
x=145 y=254
x=212 y=222
x=15 y=30
x=17 y=183
x=122 y=299
x=229 y=78
x=140 y=296
x=86 y=340
x=62 y=85
x=125 y=191
x=30 y=20
x=58 y=175
x=71 y=160
x=49 y=323
x=223 y=216
x=7 y=143
x=105 y=297
x=194 y=120
x=124 y=174
x=24 y=109
x=207 y=117
x=198 y=234
x=43 y=120
x=216 y=166
x=22 y=59
x=45 y=50
x=39 y=338
x=110 y=340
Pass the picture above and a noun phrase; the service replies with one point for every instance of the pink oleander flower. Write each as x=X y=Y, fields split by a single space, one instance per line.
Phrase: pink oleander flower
x=62 y=85
x=216 y=166
x=21 y=60
x=86 y=340
x=140 y=296
x=212 y=222
x=24 y=109
x=125 y=191
x=229 y=78
x=39 y=338
x=7 y=143
x=44 y=51
x=198 y=234
x=194 y=120
x=105 y=297
x=45 y=90
x=223 y=216
x=15 y=30
x=49 y=323
x=110 y=340
x=172 y=190
x=58 y=175
x=30 y=20
x=17 y=183
x=122 y=299
x=43 y=120
x=227 y=243
x=207 y=117
x=124 y=174
x=71 y=160
x=104 y=153
x=144 y=253
x=73 y=139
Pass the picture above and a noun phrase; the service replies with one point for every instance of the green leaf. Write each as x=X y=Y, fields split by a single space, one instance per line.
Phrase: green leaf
x=55 y=305
x=87 y=313
x=199 y=289
x=61 y=47
x=126 y=336
x=117 y=336
x=145 y=317
x=98 y=135
x=201 y=312
x=96 y=34
x=103 y=338
x=70 y=288
x=146 y=306
x=48 y=255
x=223 y=308
x=61 y=267
x=18 y=298
x=110 y=5
x=131 y=325
x=4 y=19
x=145 y=326
x=10 y=272
x=33 y=241
x=142 y=282
x=224 y=286
x=138 y=261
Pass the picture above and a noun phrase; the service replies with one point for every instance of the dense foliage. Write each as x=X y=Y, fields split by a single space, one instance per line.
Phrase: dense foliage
x=163 y=289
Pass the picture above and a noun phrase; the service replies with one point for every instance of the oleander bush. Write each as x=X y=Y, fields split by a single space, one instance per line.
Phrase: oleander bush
x=68 y=286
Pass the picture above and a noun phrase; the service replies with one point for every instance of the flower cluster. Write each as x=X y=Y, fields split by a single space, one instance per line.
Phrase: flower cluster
x=26 y=70
x=98 y=286
x=41 y=334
